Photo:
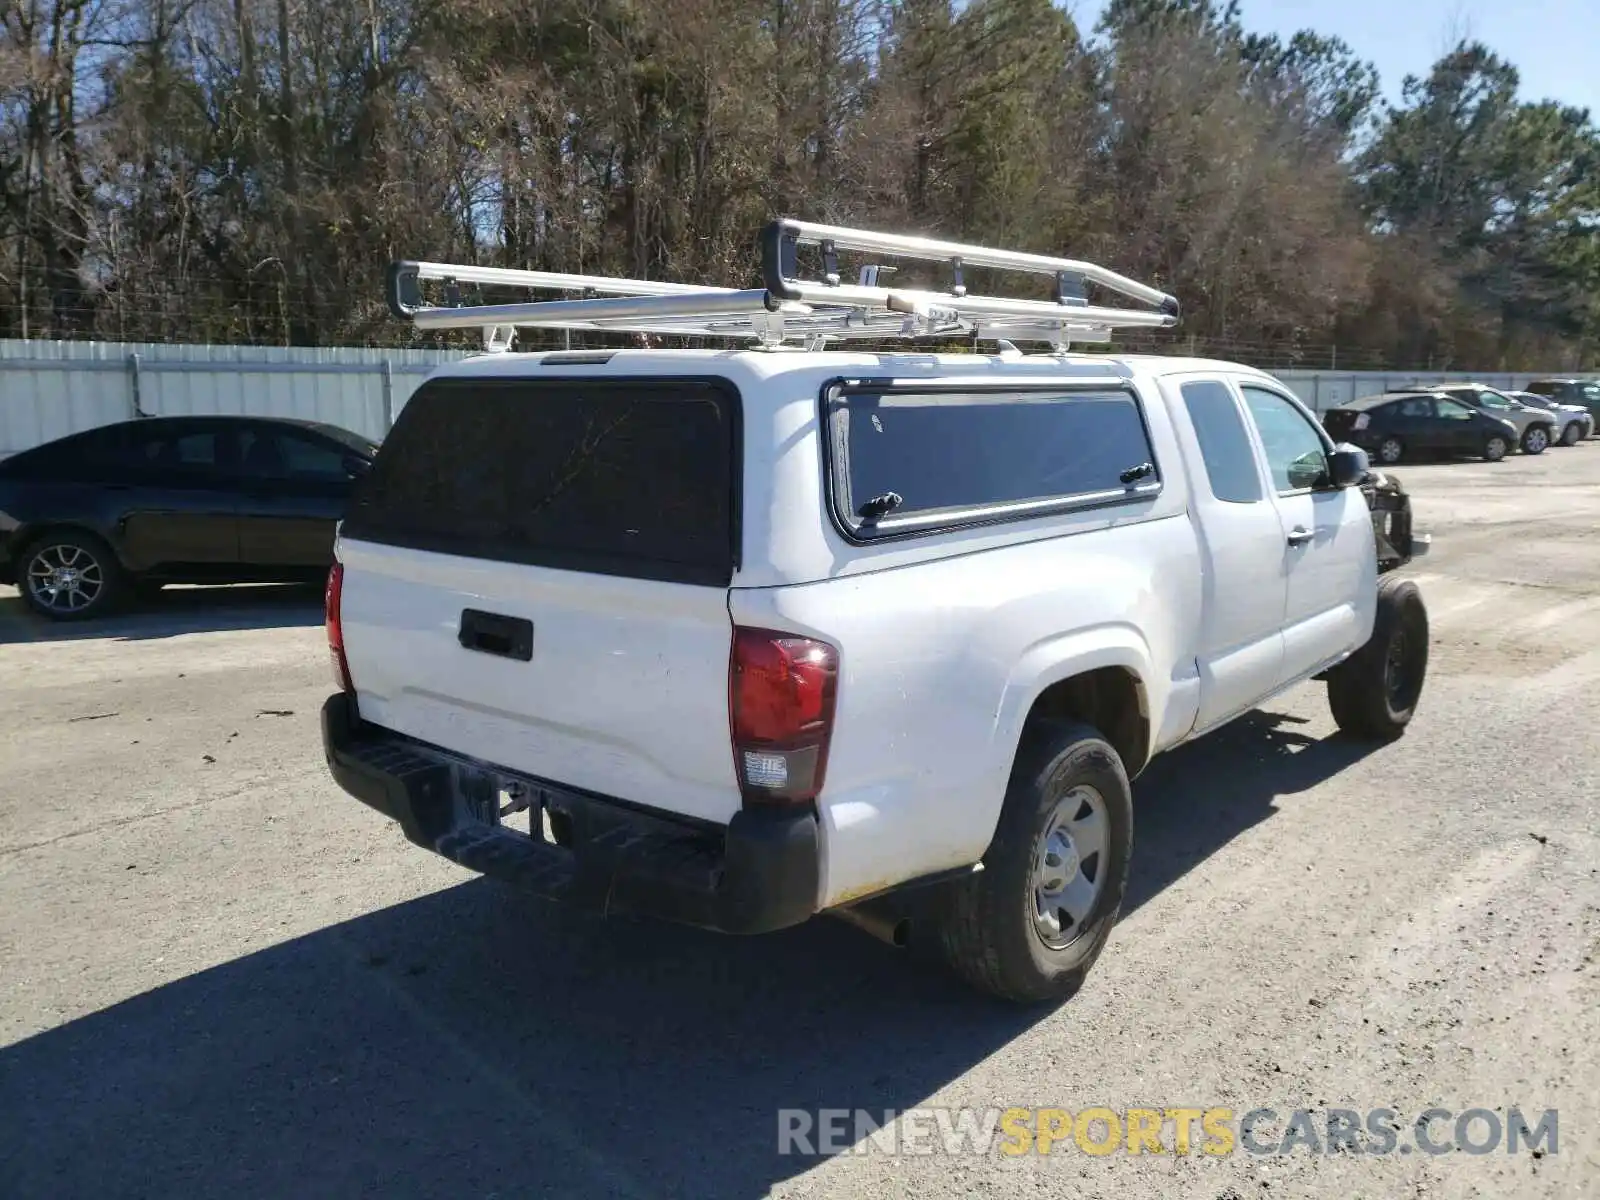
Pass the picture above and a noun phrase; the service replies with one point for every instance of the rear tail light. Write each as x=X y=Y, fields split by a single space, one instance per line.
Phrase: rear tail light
x=332 y=601
x=780 y=707
x=1362 y=421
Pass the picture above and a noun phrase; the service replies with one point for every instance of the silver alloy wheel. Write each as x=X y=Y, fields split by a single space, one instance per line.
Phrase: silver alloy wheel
x=1494 y=449
x=1536 y=441
x=64 y=578
x=1389 y=451
x=1070 y=869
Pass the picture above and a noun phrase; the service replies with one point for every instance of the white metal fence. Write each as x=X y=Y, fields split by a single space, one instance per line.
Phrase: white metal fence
x=50 y=389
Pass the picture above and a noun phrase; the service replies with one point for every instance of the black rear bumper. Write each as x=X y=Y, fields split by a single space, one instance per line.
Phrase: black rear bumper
x=758 y=874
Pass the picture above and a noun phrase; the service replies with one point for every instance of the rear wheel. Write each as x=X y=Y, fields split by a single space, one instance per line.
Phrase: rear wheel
x=1495 y=448
x=1571 y=435
x=1374 y=692
x=1030 y=925
x=1390 y=451
x=1535 y=440
x=68 y=575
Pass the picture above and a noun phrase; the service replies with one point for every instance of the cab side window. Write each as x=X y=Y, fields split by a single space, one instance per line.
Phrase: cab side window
x=1224 y=444
x=1297 y=456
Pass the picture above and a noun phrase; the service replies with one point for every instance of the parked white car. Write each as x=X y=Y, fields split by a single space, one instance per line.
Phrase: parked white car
x=1572 y=422
x=747 y=636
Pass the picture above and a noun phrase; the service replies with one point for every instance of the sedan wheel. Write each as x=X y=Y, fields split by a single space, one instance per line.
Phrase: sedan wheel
x=1390 y=450
x=1494 y=449
x=68 y=577
x=1571 y=434
x=1536 y=440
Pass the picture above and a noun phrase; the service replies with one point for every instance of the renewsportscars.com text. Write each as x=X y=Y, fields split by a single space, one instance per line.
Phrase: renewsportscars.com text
x=1217 y=1131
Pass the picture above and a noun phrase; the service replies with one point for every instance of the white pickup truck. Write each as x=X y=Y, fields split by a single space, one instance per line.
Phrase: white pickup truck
x=739 y=637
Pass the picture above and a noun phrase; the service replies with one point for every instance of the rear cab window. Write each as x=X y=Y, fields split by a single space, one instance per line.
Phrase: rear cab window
x=613 y=476
x=915 y=459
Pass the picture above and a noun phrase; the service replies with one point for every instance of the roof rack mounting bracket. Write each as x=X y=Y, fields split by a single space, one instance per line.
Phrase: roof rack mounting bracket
x=1071 y=289
x=768 y=328
x=497 y=339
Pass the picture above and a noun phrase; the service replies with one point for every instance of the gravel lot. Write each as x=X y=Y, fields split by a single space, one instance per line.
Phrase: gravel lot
x=220 y=976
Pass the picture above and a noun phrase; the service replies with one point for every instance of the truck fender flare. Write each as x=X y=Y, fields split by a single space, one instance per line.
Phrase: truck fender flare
x=1050 y=661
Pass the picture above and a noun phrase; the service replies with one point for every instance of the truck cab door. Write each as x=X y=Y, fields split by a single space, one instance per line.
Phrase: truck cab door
x=1328 y=560
x=1239 y=654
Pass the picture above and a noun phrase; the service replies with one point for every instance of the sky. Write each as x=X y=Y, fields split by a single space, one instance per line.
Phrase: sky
x=1554 y=44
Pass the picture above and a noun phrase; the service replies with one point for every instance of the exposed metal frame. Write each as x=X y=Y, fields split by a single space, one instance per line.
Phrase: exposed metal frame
x=787 y=308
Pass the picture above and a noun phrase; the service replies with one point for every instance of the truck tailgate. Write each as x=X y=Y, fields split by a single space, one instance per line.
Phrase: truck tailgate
x=624 y=690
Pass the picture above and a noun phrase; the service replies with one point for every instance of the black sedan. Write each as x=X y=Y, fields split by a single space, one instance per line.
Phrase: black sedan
x=1397 y=425
x=93 y=517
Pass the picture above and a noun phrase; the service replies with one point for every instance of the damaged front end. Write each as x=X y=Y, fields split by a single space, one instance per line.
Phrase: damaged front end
x=1398 y=544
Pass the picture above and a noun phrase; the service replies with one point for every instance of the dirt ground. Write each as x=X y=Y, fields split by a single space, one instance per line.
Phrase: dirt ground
x=219 y=976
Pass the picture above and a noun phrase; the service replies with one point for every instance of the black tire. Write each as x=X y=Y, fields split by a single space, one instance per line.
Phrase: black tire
x=1535 y=439
x=39 y=576
x=1390 y=451
x=1374 y=692
x=1495 y=448
x=1571 y=435
x=987 y=927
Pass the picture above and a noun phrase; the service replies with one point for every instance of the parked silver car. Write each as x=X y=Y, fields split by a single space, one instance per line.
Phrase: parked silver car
x=1536 y=427
x=1573 y=421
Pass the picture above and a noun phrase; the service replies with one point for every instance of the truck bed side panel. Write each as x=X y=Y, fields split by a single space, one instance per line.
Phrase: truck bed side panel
x=941 y=662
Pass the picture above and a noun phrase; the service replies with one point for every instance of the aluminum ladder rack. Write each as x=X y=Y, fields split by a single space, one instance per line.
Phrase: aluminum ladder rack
x=787 y=308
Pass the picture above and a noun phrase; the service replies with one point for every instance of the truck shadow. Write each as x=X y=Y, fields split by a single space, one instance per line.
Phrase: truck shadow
x=173 y=611
x=1191 y=802
x=476 y=1041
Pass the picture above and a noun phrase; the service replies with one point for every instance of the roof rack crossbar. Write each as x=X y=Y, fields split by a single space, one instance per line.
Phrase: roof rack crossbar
x=787 y=307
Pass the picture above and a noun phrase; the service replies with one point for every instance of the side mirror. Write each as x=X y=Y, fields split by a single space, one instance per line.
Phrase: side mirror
x=1309 y=470
x=1347 y=466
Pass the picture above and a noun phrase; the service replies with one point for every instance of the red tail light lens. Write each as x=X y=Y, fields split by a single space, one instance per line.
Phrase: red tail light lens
x=332 y=600
x=780 y=706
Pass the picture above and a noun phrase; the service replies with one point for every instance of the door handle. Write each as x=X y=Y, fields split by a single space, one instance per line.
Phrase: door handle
x=1300 y=535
